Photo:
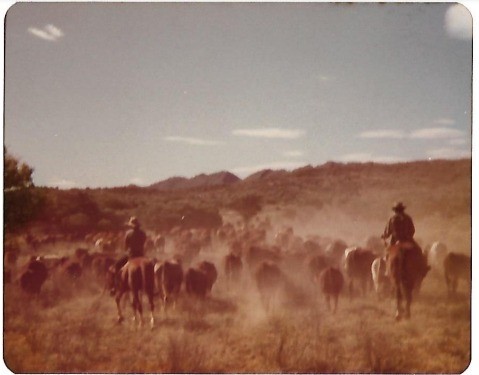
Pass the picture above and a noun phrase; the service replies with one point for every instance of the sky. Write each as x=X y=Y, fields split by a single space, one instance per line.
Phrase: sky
x=103 y=95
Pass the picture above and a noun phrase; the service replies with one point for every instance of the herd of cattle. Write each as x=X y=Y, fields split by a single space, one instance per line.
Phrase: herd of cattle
x=195 y=258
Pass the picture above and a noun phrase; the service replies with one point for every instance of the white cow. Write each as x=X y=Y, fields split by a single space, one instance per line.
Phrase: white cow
x=382 y=284
x=436 y=255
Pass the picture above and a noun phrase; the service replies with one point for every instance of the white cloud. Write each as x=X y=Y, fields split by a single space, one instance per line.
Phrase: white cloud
x=49 y=32
x=457 y=142
x=288 y=165
x=383 y=133
x=270 y=133
x=362 y=157
x=458 y=22
x=436 y=133
x=191 y=141
x=448 y=153
x=293 y=153
x=444 y=121
x=54 y=31
x=325 y=78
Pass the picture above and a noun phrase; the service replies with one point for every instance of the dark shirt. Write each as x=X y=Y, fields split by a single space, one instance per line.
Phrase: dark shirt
x=400 y=227
x=134 y=242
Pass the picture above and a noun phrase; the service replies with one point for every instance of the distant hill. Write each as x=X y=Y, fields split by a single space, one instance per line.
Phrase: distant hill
x=266 y=174
x=202 y=180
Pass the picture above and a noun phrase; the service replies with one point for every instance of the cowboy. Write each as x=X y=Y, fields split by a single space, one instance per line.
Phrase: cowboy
x=134 y=242
x=135 y=239
x=400 y=226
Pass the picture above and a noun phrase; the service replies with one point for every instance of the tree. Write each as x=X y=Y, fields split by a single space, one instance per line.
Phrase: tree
x=21 y=199
x=16 y=175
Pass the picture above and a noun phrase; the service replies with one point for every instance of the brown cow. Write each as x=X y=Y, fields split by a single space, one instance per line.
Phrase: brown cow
x=257 y=254
x=10 y=258
x=212 y=274
x=196 y=282
x=159 y=243
x=169 y=277
x=51 y=261
x=80 y=252
x=71 y=268
x=317 y=264
x=331 y=282
x=33 y=276
x=357 y=265
x=100 y=264
x=270 y=281
x=233 y=265
x=456 y=266
x=335 y=251
x=135 y=276
x=407 y=267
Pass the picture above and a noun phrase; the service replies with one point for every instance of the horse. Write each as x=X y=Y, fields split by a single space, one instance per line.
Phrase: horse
x=407 y=267
x=135 y=276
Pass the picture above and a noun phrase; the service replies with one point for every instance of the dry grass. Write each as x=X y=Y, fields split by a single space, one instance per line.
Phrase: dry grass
x=231 y=333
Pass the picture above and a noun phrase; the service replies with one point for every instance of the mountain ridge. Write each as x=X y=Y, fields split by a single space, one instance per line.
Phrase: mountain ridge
x=222 y=178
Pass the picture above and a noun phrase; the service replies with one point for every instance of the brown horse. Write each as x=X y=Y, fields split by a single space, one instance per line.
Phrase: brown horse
x=135 y=276
x=407 y=267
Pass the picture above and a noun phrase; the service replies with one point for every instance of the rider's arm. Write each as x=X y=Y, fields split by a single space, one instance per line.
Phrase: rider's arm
x=387 y=230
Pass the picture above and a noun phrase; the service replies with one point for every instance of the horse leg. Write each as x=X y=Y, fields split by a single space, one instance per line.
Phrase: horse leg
x=136 y=305
x=165 y=301
x=454 y=285
x=408 y=295
x=398 y=303
x=336 y=296
x=118 y=306
x=351 y=289
x=152 y=308
x=139 y=308
x=448 y=284
x=164 y=295
x=328 y=301
x=174 y=298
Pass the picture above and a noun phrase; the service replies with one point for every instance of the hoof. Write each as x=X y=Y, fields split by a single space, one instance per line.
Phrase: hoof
x=120 y=319
x=398 y=317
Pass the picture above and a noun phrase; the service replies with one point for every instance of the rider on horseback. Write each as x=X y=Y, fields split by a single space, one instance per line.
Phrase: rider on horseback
x=406 y=264
x=400 y=226
x=134 y=242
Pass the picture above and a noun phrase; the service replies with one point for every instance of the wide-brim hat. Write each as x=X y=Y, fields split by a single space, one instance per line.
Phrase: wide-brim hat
x=398 y=206
x=133 y=222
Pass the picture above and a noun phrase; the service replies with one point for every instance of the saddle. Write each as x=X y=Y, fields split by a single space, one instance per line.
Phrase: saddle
x=400 y=247
x=399 y=250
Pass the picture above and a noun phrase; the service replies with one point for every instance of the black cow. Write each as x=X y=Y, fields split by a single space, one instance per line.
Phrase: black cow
x=33 y=276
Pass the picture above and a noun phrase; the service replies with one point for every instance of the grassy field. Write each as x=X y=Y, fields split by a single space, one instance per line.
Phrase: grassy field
x=72 y=329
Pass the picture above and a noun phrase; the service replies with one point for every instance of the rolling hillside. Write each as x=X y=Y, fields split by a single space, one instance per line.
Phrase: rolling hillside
x=350 y=201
